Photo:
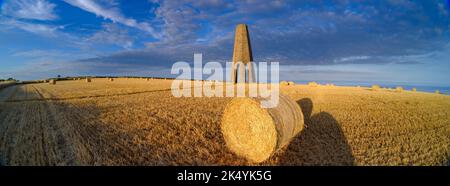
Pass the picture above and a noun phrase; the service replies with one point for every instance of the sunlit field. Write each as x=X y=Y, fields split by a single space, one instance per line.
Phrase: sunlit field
x=139 y=122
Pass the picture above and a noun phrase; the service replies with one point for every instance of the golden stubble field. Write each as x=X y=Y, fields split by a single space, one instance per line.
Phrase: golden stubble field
x=139 y=122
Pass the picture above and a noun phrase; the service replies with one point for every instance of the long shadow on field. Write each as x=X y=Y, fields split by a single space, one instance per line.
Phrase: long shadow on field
x=321 y=142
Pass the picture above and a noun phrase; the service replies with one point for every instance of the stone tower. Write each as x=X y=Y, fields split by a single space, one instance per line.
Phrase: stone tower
x=242 y=56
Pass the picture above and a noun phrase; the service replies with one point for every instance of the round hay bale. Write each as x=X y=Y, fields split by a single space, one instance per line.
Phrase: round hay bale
x=284 y=83
x=256 y=133
x=376 y=87
x=437 y=92
x=291 y=83
x=414 y=89
x=313 y=84
x=52 y=82
x=88 y=80
x=399 y=89
x=111 y=79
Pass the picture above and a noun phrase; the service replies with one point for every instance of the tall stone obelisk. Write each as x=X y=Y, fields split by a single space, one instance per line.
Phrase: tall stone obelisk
x=242 y=56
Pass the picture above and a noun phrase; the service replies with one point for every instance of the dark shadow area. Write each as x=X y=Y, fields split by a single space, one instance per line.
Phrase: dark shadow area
x=321 y=142
x=307 y=107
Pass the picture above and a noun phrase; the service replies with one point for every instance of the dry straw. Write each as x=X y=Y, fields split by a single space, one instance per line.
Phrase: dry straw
x=255 y=133
x=291 y=83
x=313 y=84
x=414 y=89
x=399 y=89
x=88 y=80
x=52 y=82
x=284 y=83
x=375 y=87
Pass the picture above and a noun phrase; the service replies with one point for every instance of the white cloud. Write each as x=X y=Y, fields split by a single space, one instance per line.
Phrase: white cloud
x=22 y=14
x=35 y=28
x=351 y=58
x=112 y=34
x=29 y=9
x=108 y=10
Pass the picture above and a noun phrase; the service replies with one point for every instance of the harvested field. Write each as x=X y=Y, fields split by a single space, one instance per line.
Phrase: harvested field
x=139 y=122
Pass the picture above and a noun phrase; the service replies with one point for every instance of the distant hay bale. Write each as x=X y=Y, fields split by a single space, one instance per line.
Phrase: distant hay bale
x=52 y=82
x=313 y=84
x=437 y=92
x=291 y=83
x=376 y=87
x=111 y=79
x=256 y=133
x=399 y=89
x=284 y=83
x=414 y=89
x=88 y=80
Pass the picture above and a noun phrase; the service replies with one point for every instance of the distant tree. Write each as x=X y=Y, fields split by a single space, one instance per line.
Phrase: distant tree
x=59 y=76
x=10 y=79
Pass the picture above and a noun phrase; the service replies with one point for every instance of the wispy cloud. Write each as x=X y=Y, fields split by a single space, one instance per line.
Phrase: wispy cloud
x=35 y=28
x=108 y=9
x=29 y=9
x=29 y=15
x=351 y=59
x=112 y=34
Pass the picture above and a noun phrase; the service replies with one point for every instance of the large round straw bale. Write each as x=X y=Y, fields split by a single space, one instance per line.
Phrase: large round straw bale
x=399 y=89
x=376 y=87
x=291 y=83
x=284 y=83
x=111 y=79
x=88 y=80
x=414 y=89
x=313 y=84
x=255 y=133
x=52 y=82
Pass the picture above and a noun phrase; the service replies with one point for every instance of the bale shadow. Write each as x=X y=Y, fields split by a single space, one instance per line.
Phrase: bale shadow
x=321 y=142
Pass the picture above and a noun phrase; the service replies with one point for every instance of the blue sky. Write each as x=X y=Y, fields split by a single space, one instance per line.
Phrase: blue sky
x=391 y=41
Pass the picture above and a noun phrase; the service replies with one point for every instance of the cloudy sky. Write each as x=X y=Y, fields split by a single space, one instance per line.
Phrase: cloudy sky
x=390 y=41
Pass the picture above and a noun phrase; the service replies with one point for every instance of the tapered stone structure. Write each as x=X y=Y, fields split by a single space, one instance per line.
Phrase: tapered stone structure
x=242 y=56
